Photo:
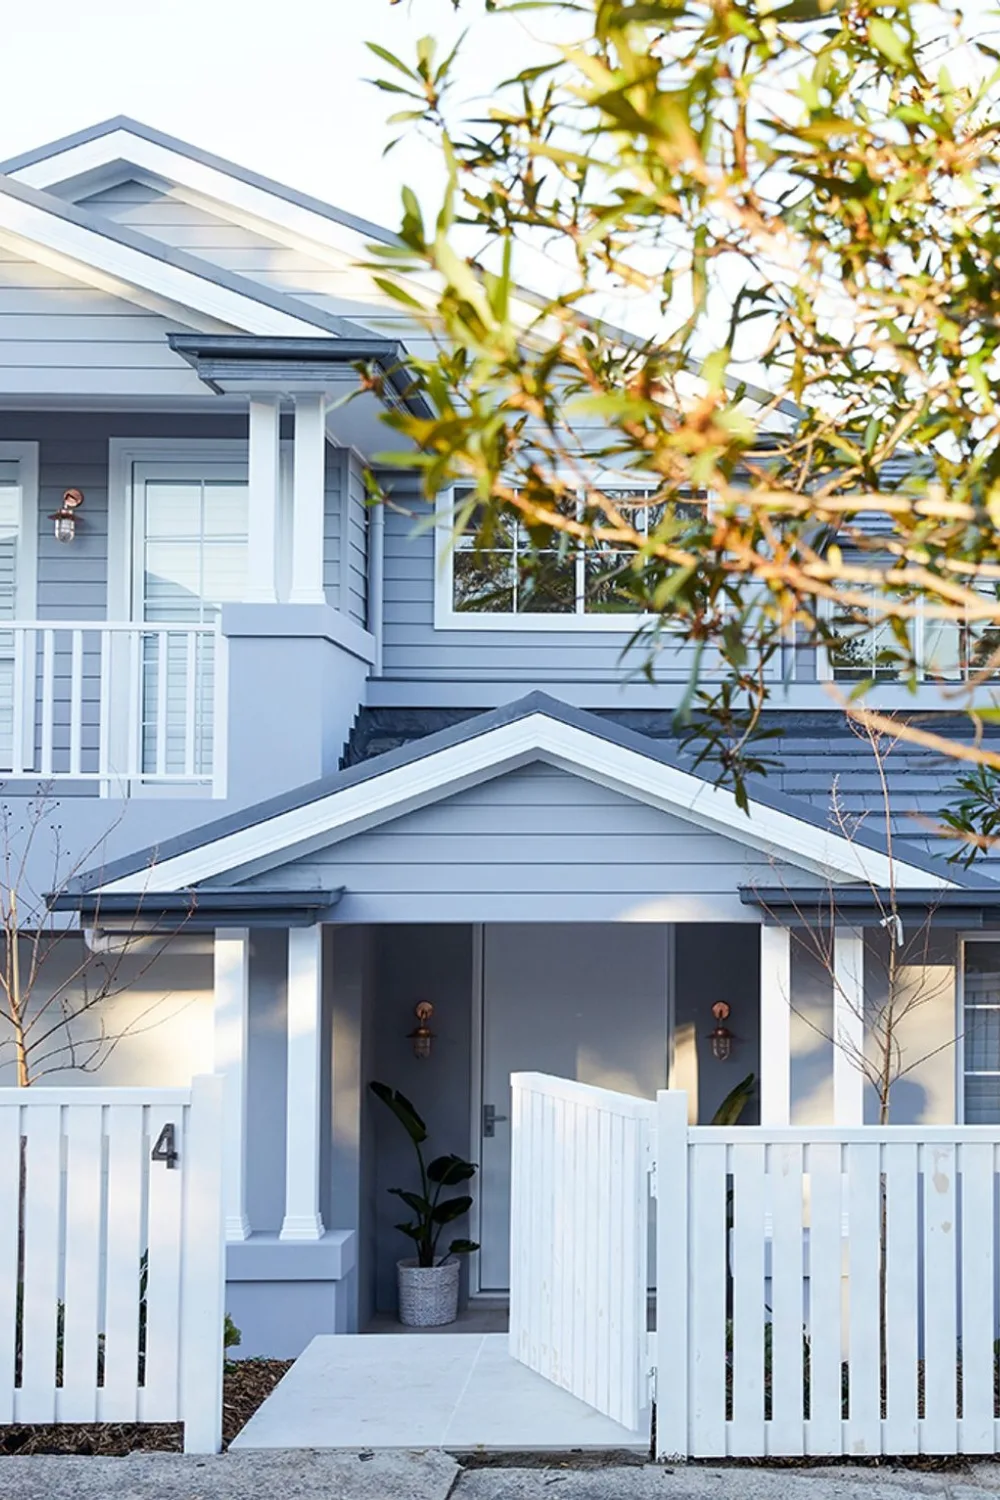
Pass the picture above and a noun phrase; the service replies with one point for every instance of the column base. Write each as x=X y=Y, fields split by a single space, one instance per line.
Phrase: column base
x=301 y=1227
x=237 y=1227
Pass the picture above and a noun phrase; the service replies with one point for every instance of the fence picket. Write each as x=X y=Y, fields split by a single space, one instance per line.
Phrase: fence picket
x=158 y=1399
x=978 y=1285
x=746 y=1434
x=84 y=1220
x=37 y=1400
x=939 y=1429
x=126 y=1163
x=707 y=1339
x=10 y=1171
x=786 y=1433
x=823 y=1429
x=864 y=1216
x=899 y=1432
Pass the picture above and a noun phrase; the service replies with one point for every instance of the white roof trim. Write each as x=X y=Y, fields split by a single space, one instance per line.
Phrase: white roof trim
x=208 y=182
x=440 y=774
x=105 y=263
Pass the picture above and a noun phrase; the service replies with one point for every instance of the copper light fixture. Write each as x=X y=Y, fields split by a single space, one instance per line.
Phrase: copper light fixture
x=65 y=516
x=422 y=1035
x=720 y=1036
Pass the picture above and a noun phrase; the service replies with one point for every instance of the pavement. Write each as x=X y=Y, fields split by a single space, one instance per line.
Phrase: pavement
x=304 y=1474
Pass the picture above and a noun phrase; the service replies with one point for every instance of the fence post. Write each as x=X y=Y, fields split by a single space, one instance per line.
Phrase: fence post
x=672 y=1275
x=203 y=1271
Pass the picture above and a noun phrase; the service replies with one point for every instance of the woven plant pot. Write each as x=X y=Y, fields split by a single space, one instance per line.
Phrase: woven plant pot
x=428 y=1295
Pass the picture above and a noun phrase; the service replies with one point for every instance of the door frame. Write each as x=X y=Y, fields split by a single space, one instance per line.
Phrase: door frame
x=477 y=1063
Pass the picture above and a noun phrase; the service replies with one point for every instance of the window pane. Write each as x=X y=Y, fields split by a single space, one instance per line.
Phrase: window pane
x=173 y=509
x=226 y=510
x=172 y=582
x=982 y=1101
x=982 y=648
x=547 y=584
x=982 y=1040
x=224 y=572
x=857 y=652
x=608 y=580
x=982 y=973
x=484 y=582
x=943 y=649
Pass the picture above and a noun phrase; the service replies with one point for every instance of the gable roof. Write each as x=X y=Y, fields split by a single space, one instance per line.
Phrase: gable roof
x=536 y=727
x=90 y=247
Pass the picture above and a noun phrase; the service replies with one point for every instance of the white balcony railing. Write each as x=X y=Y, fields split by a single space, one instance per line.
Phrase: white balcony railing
x=116 y=703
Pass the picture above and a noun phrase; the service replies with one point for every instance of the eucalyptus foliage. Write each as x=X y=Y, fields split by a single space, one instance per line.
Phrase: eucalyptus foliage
x=798 y=202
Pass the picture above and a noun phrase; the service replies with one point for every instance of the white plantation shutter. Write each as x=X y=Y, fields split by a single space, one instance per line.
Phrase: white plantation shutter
x=193 y=560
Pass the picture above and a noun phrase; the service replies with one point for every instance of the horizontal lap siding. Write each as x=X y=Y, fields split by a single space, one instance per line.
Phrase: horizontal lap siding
x=538 y=831
x=59 y=337
x=412 y=648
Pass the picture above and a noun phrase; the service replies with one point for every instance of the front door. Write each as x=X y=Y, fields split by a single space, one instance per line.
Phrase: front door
x=587 y=1001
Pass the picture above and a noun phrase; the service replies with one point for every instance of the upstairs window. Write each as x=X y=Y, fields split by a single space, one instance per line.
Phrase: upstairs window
x=947 y=650
x=507 y=578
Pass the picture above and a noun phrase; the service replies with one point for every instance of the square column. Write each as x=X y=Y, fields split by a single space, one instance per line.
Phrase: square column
x=848 y=1025
x=775 y=1026
x=263 y=456
x=302 y=1220
x=231 y=1034
x=308 y=492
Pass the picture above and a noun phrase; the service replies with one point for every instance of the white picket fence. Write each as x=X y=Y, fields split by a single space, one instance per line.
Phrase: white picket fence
x=769 y=1274
x=579 y=1240
x=111 y=1263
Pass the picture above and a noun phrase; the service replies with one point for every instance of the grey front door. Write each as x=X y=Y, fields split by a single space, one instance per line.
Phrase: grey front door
x=588 y=1001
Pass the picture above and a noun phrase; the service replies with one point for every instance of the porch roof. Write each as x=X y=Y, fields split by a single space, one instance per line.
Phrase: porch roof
x=534 y=728
x=199 y=910
x=960 y=907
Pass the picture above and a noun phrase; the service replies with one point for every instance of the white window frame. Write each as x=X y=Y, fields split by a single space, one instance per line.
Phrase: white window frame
x=447 y=617
x=980 y=935
x=825 y=670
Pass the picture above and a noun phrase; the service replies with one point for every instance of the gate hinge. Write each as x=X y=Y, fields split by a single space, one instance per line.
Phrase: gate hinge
x=651 y=1384
x=651 y=1169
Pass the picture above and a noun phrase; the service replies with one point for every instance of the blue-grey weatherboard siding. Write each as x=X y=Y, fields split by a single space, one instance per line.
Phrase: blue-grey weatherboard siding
x=534 y=844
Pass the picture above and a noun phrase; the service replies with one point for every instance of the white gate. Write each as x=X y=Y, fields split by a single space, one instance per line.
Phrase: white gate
x=111 y=1262
x=579 y=1241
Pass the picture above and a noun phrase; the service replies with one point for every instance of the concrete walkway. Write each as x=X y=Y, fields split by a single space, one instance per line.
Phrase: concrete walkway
x=461 y=1391
x=305 y=1475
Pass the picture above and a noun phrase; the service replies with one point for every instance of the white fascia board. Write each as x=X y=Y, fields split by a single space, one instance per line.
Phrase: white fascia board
x=98 y=260
x=536 y=737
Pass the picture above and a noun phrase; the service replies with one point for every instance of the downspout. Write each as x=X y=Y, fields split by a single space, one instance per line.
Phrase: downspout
x=376 y=578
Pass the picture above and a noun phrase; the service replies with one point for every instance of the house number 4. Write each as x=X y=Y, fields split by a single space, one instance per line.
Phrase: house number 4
x=166 y=1146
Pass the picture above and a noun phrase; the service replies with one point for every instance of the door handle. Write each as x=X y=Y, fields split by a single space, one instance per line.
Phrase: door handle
x=490 y=1118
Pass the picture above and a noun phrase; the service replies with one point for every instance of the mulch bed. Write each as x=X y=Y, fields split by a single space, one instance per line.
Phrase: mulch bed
x=246 y=1383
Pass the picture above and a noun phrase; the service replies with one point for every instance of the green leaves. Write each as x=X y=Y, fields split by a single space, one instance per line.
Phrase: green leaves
x=431 y=1211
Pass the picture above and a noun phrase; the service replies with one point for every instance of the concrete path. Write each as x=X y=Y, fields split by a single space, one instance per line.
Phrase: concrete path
x=305 y=1475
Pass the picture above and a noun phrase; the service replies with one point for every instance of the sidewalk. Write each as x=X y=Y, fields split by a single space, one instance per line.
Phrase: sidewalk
x=304 y=1474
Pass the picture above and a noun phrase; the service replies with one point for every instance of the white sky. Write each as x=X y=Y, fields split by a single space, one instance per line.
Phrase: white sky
x=277 y=87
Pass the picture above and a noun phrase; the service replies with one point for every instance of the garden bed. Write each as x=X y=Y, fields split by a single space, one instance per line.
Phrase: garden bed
x=246 y=1384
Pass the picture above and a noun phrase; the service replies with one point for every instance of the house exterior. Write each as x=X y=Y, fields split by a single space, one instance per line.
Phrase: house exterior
x=283 y=720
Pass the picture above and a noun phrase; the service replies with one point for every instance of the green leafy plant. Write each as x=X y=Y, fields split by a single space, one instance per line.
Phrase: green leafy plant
x=430 y=1212
x=735 y=1102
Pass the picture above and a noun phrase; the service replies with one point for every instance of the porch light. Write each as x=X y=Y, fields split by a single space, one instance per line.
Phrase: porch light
x=421 y=1036
x=65 y=516
x=720 y=1036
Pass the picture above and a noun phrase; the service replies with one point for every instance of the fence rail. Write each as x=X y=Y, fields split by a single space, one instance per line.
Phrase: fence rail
x=111 y=1264
x=109 y=701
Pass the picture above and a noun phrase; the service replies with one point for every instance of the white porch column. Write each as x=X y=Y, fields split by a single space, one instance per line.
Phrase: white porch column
x=775 y=1026
x=848 y=1025
x=302 y=1219
x=308 y=487
x=263 y=452
x=232 y=997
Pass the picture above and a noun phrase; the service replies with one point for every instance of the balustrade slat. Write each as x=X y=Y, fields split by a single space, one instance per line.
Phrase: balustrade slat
x=190 y=704
x=978 y=1294
x=707 y=1178
x=10 y=1169
x=939 y=1429
x=126 y=1167
x=37 y=1397
x=746 y=1437
x=76 y=703
x=823 y=1431
x=24 y=642
x=84 y=1218
x=864 y=1215
x=162 y=671
x=48 y=700
x=899 y=1433
x=785 y=1430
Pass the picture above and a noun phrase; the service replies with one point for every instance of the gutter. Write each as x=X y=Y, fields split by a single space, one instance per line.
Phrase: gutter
x=195 y=910
x=960 y=906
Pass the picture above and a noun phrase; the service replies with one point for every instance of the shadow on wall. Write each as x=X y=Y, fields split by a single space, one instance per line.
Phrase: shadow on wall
x=414 y=963
x=715 y=961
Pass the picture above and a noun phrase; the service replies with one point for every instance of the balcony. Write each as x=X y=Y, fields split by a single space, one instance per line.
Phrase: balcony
x=120 y=706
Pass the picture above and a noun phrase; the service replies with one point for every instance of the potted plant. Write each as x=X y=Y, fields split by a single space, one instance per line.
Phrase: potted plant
x=428 y=1281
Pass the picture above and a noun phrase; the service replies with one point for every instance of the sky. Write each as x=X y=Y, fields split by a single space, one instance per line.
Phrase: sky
x=278 y=87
